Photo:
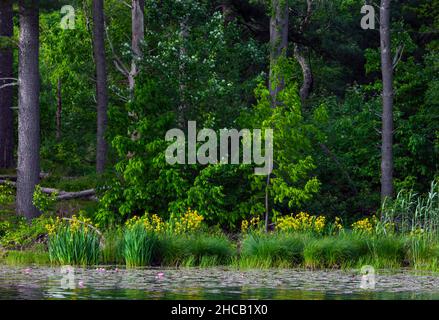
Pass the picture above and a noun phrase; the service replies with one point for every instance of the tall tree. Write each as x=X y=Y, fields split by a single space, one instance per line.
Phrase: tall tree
x=387 y=116
x=101 y=83
x=138 y=35
x=278 y=44
x=6 y=90
x=278 y=48
x=28 y=169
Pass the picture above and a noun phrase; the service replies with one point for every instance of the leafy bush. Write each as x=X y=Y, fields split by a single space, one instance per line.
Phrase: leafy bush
x=42 y=201
x=17 y=233
x=7 y=193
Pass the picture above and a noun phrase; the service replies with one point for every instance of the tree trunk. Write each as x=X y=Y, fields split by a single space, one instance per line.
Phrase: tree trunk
x=6 y=93
x=308 y=80
x=300 y=56
x=138 y=35
x=278 y=45
x=58 y=111
x=183 y=107
x=101 y=84
x=28 y=170
x=387 y=118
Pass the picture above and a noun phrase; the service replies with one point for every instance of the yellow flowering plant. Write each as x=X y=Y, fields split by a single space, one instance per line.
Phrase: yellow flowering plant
x=188 y=222
x=250 y=224
x=74 y=224
x=302 y=222
x=337 y=225
x=151 y=223
x=365 y=226
x=417 y=232
x=191 y=221
x=74 y=240
x=52 y=226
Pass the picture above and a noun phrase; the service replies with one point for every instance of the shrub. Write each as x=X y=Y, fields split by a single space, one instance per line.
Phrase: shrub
x=42 y=201
x=7 y=194
x=17 y=233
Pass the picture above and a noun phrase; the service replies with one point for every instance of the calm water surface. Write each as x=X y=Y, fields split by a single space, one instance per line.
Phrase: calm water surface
x=215 y=283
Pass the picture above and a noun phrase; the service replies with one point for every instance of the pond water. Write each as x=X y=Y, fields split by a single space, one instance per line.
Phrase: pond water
x=212 y=283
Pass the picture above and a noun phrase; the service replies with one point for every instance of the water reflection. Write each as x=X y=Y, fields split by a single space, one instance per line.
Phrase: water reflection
x=214 y=283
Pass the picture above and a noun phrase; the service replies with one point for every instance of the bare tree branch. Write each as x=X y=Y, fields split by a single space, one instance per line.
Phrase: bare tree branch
x=9 y=85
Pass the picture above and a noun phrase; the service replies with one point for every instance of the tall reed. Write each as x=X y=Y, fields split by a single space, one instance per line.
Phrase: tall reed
x=411 y=212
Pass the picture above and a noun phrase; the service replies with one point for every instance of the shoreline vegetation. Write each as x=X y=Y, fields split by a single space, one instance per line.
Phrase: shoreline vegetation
x=253 y=251
x=405 y=236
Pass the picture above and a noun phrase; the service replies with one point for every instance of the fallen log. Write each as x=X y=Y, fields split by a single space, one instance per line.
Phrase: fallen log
x=90 y=193
x=63 y=195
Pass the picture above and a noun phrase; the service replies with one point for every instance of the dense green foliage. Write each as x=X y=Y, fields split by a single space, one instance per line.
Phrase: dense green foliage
x=326 y=148
x=217 y=73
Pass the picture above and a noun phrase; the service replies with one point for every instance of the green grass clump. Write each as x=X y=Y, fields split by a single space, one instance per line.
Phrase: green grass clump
x=350 y=250
x=36 y=255
x=26 y=257
x=139 y=245
x=113 y=248
x=271 y=250
x=334 y=252
x=386 y=252
x=74 y=246
x=194 y=250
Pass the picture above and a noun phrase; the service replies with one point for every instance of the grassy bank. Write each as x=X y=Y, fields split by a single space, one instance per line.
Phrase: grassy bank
x=253 y=250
